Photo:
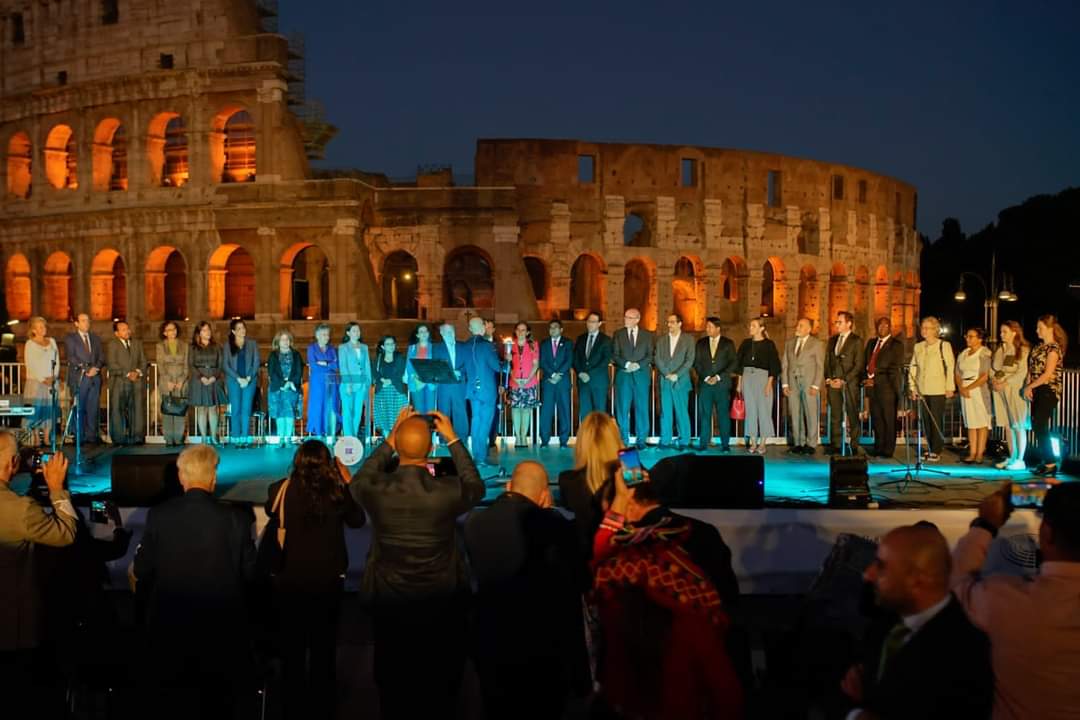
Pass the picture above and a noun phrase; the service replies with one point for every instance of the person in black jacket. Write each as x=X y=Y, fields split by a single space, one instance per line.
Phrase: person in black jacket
x=531 y=576
x=309 y=579
x=592 y=356
x=285 y=366
x=843 y=371
x=415 y=581
x=193 y=566
x=715 y=363
x=884 y=361
x=933 y=663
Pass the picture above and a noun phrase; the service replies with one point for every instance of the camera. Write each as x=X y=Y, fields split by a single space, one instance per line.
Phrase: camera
x=100 y=511
x=32 y=460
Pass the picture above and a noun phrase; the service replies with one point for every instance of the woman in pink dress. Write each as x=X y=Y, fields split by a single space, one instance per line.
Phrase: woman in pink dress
x=524 y=382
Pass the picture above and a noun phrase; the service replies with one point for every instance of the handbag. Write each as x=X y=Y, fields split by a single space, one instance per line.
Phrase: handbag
x=738 y=407
x=175 y=405
x=271 y=552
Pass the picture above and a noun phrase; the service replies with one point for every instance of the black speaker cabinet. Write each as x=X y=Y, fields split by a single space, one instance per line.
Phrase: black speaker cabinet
x=710 y=481
x=849 y=483
x=144 y=480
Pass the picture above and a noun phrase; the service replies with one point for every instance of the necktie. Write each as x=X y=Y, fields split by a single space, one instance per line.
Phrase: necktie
x=86 y=342
x=873 y=358
x=840 y=343
x=893 y=642
x=633 y=338
x=713 y=344
x=798 y=346
x=554 y=348
x=588 y=345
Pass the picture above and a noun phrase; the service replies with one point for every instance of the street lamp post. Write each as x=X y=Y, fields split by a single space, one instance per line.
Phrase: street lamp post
x=991 y=294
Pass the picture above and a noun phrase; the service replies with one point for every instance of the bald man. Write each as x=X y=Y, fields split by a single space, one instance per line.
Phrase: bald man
x=531 y=574
x=416 y=581
x=932 y=662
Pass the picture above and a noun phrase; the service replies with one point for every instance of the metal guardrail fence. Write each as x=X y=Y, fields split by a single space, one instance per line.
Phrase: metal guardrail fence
x=1067 y=417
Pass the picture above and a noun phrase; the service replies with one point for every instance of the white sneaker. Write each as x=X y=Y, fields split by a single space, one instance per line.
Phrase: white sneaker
x=1016 y=465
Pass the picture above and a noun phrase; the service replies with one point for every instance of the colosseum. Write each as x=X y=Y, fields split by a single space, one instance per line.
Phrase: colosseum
x=157 y=166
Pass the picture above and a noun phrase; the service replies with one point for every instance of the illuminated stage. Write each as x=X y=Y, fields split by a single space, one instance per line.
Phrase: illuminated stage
x=778 y=549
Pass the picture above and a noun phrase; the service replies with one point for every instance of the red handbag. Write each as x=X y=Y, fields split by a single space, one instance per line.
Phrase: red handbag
x=738 y=407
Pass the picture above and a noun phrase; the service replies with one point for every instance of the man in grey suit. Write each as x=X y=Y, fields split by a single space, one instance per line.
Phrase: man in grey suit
x=843 y=371
x=633 y=364
x=127 y=386
x=802 y=376
x=674 y=358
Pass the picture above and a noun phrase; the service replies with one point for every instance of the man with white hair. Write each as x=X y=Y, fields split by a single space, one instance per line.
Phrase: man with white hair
x=24 y=522
x=193 y=563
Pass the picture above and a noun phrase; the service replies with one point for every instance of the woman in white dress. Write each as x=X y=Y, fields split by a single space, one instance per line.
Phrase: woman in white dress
x=42 y=369
x=1011 y=409
x=973 y=384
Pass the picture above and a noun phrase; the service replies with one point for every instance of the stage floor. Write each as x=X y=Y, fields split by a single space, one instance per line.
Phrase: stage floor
x=790 y=480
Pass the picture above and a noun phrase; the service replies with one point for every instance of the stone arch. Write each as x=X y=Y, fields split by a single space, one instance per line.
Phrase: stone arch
x=109 y=156
x=881 y=293
x=862 y=291
x=733 y=281
x=636 y=231
x=232 y=145
x=537 y=271
x=19 y=159
x=773 y=288
x=167 y=150
x=838 y=290
x=59 y=287
x=166 y=284
x=401 y=285
x=108 y=286
x=231 y=286
x=809 y=301
x=588 y=286
x=305 y=282
x=639 y=290
x=61 y=158
x=17 y=287
x=468 y=278
x=688 y=292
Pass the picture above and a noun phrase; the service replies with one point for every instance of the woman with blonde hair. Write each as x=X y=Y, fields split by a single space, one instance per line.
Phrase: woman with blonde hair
x=596 y=458
x=1011 y=410
x=1044 y=387
x=758 y=369
x=42 y=359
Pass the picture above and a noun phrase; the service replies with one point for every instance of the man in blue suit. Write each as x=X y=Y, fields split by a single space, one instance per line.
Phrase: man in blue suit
x=556 y=357
x=85 y=358
x=450 y=398
x=481 y=366
x=633 y=359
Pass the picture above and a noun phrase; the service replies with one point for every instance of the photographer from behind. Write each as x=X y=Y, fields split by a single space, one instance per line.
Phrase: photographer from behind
x=24 y=522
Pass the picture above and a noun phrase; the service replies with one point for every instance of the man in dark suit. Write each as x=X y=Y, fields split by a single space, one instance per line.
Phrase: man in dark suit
x=884 y=361
x=531 y=576
x=843 y=371
x=85 y=358
x=715 y=363
x=415 y=580
x=592 y=355
x=481 y=370
x=556 y=357
x=633 y=358
x=932 y=663
x=127 y=387
x=193 y=565
x=450 y=397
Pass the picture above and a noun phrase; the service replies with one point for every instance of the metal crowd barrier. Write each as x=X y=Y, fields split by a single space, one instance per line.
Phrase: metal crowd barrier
x=1067 y=416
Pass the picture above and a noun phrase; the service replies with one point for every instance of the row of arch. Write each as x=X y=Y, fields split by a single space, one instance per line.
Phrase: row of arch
x=232 y=153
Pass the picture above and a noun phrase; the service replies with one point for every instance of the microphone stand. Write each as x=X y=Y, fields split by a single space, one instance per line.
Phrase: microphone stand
x=912 y=471
x=76 y=414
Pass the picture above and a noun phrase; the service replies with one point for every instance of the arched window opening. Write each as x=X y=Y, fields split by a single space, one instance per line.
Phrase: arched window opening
x=468 y=279
x=400 y=285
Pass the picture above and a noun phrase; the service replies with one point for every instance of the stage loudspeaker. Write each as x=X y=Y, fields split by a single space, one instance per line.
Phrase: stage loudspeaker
x=710 y=481
x=144 y=480
x=849 y=482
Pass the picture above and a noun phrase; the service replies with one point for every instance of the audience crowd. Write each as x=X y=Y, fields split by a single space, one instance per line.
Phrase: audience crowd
x=602 y=603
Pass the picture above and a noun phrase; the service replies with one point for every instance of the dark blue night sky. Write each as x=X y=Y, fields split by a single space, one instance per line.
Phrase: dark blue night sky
x=975 y=103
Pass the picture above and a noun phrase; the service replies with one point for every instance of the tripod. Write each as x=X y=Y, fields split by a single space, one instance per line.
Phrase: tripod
x=912 y=471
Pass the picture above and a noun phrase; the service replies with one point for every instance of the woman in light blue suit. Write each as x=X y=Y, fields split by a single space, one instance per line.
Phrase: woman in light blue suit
x=422 y=395
x=242 y=380
x=354 y=364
